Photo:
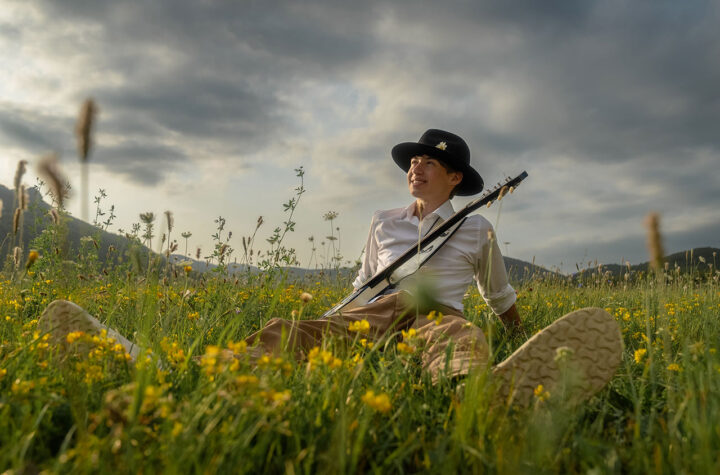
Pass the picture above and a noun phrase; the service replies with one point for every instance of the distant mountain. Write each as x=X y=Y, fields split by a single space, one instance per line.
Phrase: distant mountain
x=699 y=258
x=37 y=218
x=518 y=271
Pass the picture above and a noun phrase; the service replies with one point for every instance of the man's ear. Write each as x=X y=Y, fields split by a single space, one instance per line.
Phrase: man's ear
x=457 y=178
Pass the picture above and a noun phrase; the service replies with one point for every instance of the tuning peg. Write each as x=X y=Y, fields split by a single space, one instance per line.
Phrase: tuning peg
x=503 y=192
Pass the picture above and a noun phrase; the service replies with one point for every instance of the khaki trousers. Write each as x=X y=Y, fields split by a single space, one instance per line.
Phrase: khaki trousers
x=453 y=347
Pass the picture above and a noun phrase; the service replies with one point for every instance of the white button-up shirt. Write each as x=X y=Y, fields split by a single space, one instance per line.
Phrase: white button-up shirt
x=468 y=254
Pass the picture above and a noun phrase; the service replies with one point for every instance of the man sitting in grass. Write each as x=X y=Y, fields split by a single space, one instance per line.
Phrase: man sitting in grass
x=437 y=168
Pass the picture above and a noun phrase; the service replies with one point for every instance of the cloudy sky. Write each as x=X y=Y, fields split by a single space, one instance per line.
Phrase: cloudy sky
x=207 y=107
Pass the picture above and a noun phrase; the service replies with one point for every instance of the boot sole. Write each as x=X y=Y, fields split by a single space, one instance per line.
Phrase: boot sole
x=62 y=317
x=590 y=345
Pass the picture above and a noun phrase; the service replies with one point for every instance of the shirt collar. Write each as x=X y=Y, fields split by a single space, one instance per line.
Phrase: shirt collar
x=444 y=211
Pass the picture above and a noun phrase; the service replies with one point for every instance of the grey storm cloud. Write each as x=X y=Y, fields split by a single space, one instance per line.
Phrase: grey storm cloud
x=210 y=108
x=145 y=163
x=627 y=84
x=33 y=131
x=630 y=247
x=603 y=80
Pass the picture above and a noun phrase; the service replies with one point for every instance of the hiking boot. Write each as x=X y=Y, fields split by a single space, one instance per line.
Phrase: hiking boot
x=61 y=318
x=572 y=358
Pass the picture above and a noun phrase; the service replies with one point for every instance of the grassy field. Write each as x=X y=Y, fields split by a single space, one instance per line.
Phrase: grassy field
x=350 y=407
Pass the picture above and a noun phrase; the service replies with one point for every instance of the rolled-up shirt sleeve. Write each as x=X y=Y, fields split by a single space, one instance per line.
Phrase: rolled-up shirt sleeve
x=491 y=276
x=370 y=259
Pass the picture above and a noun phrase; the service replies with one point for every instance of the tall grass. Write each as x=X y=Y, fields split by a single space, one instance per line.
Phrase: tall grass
x=95 y=412
x=350 y=406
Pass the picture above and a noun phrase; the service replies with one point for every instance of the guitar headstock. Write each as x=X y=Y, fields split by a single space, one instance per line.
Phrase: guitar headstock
x=500 y=190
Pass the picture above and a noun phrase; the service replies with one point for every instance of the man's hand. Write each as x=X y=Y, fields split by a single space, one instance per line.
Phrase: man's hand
x=511 y=320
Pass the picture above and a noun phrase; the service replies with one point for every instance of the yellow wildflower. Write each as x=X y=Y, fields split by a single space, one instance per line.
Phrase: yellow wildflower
x=72 y=337
x=316 y=357
x=237 y=348
x=379 y=402
x=435 y=316
x=277 y=397
x=640 y=354
x=32 y=257
x=360 y=326
x=366 y=344
x=21 y=387
x=405 y=348
x=247 y=379
x=540 y=393
x=674 y=367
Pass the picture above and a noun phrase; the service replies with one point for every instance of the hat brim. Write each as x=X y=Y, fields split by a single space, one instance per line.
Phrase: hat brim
x=472 y=182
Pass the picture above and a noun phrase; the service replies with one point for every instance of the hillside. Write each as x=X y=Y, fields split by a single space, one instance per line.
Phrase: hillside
x=37 y=218
x=692 y=259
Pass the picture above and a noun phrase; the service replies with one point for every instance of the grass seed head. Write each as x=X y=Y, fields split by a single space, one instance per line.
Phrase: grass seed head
x=148 y=217
x=170 y=220
x=50 y=170
x=19 y=172
x=654 y=241
x=83 y=129
x=23 y=198
x=55 y=216
x=16 y=220
x=17 y=256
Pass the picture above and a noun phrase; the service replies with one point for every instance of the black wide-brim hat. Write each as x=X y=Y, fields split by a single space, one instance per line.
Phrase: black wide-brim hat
x=449 y=149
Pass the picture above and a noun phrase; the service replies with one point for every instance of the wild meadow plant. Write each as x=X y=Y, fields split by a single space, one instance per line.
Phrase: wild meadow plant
x=195 y=400
x=353 y=405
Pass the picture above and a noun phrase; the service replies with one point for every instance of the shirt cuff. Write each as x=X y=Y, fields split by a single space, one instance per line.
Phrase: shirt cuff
x=500 y=302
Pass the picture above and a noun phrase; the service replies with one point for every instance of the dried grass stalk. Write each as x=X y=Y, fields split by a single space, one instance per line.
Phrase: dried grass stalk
x=83 y=128
x=23 y=198
x=170 y=221
x=654 y=241
x=55 y=216
x=19 y=172
x=16 y=220
x=17 y=256
x=50 y=170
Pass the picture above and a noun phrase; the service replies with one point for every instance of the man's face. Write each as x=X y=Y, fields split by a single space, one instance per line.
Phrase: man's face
x=429 y=180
